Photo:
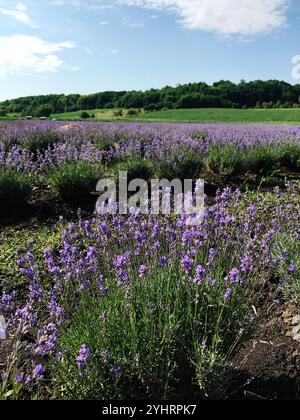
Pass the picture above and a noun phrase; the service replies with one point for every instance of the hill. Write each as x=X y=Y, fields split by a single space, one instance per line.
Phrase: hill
x=224 y=94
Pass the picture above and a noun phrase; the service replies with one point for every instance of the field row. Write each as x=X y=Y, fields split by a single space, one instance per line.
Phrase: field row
x=199 y=115
x=148 y=307
x=69 y=159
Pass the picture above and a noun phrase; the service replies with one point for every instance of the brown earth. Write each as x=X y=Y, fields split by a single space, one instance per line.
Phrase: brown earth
x=267 y=366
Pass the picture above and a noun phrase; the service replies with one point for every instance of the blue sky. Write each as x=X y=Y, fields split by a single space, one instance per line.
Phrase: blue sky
x=86 y=46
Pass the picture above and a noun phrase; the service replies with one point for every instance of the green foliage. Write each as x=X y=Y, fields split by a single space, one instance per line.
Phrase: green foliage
x=132 y=112
x=41 y=141
x=104 y=143
x=223 y=115
x=263 y=160
x=212 y=373
x=186 y=166
x=85 y=115
x=290 y=155
x=152 y=107
x=75 y=183
x=16 y=238
x=15 y=190
x=136 y=168
x=43 y=111
x=3 y=112
x=118 y=113
x=154 y=339
x=286 y=257
x=259 y=94
x=225 y=160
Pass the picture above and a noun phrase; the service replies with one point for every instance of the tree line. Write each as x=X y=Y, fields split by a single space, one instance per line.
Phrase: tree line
x=222 y=94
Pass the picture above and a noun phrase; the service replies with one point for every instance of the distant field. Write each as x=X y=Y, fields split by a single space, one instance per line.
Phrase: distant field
x=100 y=114
x=225 y=115
x=204 y=115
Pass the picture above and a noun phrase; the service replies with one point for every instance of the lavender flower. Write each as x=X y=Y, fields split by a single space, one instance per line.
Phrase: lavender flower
x=187 y=264
x=228 y=294
x=84 y=354
x=38 y=372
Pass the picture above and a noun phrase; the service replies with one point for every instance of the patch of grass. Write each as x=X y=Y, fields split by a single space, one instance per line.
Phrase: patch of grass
x=224 y=115
x=100 y=115
x=14 y=240
x=200 y=115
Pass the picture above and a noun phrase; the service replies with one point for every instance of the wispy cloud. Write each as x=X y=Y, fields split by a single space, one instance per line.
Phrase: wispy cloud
x=19 y=13
x=136 y=25
x=21 y=54
x=131 y=24
x=113 y=51
x=226 y=17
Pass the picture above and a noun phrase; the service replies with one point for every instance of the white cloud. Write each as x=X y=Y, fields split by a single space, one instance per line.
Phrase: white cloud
x=21 y=54
x=296 y=67
x=226 y=17
x=113 y=51
x=132 y=24
x=19 y=13
x=135 y=24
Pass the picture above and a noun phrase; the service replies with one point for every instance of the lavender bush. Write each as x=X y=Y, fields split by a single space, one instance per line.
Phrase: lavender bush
x=133 y=307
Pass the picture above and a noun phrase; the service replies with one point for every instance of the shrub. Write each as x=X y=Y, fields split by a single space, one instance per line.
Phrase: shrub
x=137 y=169
x=152 y=107
x=75 y=182
x=132 y=112
x=263 y=160
x=41 y=141
x=15 y=190
x=154 y=342
x=43 y=111
x=225 y=160
x=118 y=113
x=212 y=373
x=85 y=115
x=199 y=135
x=290 y=156
x=104 y=143
x=185 y=166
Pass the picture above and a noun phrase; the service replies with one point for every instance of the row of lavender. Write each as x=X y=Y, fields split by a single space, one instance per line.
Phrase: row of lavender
x=133 y=307
x=42 y=146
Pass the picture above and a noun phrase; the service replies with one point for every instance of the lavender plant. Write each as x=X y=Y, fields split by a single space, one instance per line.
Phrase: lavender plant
x=129 y=307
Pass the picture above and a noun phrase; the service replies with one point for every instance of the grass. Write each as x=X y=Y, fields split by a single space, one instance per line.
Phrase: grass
x=201 y=115
x=14 y=239
x=204 y=115
x=218 y=115
x=100 y=115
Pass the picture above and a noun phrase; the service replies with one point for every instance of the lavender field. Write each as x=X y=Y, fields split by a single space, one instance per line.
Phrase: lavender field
x=149 y=307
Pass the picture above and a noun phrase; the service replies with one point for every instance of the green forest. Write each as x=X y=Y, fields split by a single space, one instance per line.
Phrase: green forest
x=223 y=94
